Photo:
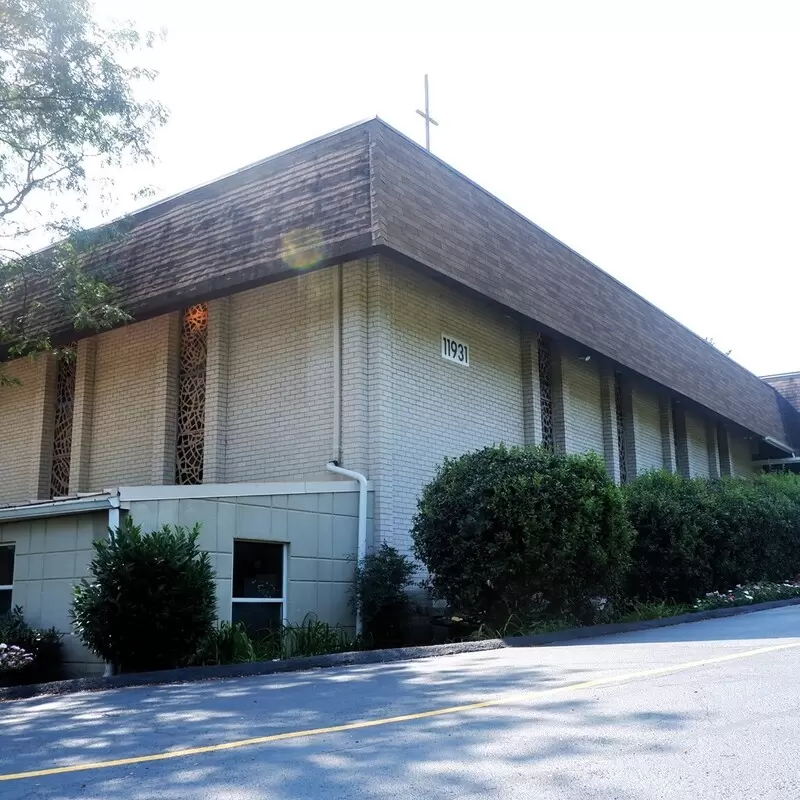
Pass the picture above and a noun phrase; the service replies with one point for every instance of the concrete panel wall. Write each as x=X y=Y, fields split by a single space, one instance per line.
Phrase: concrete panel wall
x=321 y=531
x=647 y=430
x=423 y=407
x=51 y=555
x=280 y=380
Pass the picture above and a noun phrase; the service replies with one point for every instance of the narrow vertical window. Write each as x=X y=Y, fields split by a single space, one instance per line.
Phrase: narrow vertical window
x=62 y=428
x=191 y=397
x=546 y=390
x=259 y=585
x=621 y=453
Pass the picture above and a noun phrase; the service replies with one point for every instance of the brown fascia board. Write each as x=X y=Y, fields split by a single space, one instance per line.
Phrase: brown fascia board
x=300 y=210
x=428 y=212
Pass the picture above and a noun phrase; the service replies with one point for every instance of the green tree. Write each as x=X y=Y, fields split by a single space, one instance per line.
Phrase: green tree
x=70 y=109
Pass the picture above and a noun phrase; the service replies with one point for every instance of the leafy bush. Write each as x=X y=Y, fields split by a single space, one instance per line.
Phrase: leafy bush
x=43 y=646
x=380 y=595
x=509 y=531
x=672 y=515
x=150 y=600
x=696 y=535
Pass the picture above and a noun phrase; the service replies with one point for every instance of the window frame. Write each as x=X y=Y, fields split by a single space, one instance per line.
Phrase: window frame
x=283 y=600
x=9 y=587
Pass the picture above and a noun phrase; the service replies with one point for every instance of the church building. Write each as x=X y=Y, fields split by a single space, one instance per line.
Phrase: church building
x=313 y=334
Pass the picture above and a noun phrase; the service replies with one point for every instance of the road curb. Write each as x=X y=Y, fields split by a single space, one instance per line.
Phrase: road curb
x=193 y=674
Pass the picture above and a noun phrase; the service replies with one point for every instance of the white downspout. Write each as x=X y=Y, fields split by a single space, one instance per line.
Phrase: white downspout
x=337 y=363
x=362 y=520
x=113 y=525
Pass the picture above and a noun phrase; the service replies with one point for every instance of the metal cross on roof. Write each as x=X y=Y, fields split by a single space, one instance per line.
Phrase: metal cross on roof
x=426 y=115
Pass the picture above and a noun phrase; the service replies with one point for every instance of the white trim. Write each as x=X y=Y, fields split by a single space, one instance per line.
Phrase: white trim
x=771 y=440
x=283 y=601
x=285 y=587
x=251 y=599
x=210 y=491
x=767 y=462
x=57 y=508
x=9 y=587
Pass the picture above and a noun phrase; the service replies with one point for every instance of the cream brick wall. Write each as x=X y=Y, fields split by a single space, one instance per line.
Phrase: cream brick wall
x=422 y=407
x=741 y=455
x=698 y=444
x=647 y=429
x=22 y=414
x=583 y=421
x=129 y=412
x=280 y=380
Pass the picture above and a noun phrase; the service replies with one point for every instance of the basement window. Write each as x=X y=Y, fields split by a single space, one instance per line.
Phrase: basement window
x=259 y=585
x=6 y=576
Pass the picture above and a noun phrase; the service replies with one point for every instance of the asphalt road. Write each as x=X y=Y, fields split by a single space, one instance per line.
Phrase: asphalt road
x=706 y=710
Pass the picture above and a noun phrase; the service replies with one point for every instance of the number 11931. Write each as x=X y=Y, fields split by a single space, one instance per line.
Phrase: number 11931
x=453 y=350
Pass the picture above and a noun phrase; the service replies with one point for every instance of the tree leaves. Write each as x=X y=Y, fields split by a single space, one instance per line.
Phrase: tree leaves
x=70 y=107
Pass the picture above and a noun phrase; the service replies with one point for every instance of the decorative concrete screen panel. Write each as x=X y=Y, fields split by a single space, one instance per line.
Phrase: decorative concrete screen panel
x=50 y=556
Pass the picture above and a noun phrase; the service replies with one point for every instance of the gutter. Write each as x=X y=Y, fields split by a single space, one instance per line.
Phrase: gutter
x=56 y=508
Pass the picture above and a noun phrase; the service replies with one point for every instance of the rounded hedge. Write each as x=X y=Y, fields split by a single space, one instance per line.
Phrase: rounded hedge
x=509 y=530
x=150 y=601
x=695 y=535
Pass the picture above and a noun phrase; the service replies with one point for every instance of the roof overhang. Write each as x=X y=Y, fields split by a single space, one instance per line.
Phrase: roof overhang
x=59 y=508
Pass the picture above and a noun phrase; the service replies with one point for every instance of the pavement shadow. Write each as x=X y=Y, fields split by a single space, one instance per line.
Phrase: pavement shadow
x=437 y=751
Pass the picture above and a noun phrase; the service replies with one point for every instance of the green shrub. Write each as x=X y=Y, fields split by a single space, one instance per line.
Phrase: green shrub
x=380 y=596
x=510 y=531
x=150 y=600
x=696 y=535
x=671 y=557
x=43 y=645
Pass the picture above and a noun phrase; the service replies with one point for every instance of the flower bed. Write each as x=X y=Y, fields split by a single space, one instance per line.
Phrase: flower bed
x=749 y=593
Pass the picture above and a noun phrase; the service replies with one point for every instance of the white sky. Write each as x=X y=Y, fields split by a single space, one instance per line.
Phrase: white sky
x=659 y=139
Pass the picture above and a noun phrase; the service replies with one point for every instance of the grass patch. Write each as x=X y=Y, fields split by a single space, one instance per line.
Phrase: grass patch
x=639 y=611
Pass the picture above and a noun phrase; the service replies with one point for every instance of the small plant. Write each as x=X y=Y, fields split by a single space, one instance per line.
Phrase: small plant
x=13 y=658
x=150 y=600
x=42 y=646
x=313 y=637
x=228 y=643
x=522 y=626
x=380 y=595
x=653 y=609
x=748 y=594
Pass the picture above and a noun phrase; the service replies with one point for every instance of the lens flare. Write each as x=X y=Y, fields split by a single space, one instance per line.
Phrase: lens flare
x=302 y=248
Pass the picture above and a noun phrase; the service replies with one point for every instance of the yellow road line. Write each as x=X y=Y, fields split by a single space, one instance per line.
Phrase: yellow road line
x=374 y=723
